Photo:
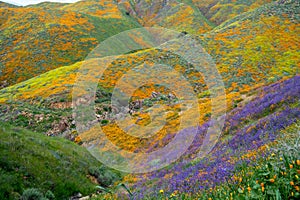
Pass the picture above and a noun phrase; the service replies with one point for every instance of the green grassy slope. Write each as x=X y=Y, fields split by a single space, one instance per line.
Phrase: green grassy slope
x=31 y=160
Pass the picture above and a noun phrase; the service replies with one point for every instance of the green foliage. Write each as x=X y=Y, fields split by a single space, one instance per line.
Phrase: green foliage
x=32 y=160
x=113 y=190
x=105 y=176
x=32 y=194
x=49 y=195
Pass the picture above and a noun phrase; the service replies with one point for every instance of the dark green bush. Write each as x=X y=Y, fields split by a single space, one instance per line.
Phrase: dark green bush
x=49 y=195
x=105 y=176
x=32 y=194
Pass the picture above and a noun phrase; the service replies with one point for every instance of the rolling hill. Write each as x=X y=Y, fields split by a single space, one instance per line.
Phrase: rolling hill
x=45 y=39
x=220 y=11
x=241 y=48
x=169 y=14
x=255 y=46
x=32 y=160
x=25 y=44
x=7 y=5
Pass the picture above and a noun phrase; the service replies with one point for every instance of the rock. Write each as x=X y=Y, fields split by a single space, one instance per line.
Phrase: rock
x=62 y=126
x=171 y=96
x=76 y=197
x=98 y=116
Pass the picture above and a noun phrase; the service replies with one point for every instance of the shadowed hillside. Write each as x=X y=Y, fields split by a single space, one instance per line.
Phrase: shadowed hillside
x=32 y=160
x=169 y=14
x=219 y=11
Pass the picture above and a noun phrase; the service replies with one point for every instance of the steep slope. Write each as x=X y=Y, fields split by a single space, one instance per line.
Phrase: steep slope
x=48 y=33
x=219 y=11
x=31 y=160
x=257 y=54
x=99 y=8
x=246 y=56
x=248 y=133
x=36 y=40
x=170 y=14
x=237 y=46
x=260 y=46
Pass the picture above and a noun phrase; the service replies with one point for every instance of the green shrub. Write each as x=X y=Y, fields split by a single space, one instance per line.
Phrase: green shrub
x=32 y=194
x=105 y=177
x=49 y=195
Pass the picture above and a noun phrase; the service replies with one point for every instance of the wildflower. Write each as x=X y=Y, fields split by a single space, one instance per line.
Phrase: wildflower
x=161 y=191
x=280 y=159
x=298 y=162
x=291 y=166
x=78 y=139
x=297 y=188
x=292 y=183
x=172 y=195
x=263 y=189
x=272 y=180
x=297 y=177
x=292 y=194
x=274 y=176
x=273 y=154
x=249 y=189
x=262 y=184
x=209 y=198
x=241 y=179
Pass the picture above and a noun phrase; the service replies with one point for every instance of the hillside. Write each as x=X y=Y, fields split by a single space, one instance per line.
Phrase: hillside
x=32 y=160
x=49 y=33
x=242 y=49
x=47 y=5
x=7 y=5
x=220 y=11
x=169 y=14
x=52 y=126
x=259 y=46
x=250 y=136
x=45 y=39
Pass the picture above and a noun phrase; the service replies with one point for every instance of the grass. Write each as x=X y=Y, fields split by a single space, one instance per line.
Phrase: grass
x=32 y=160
